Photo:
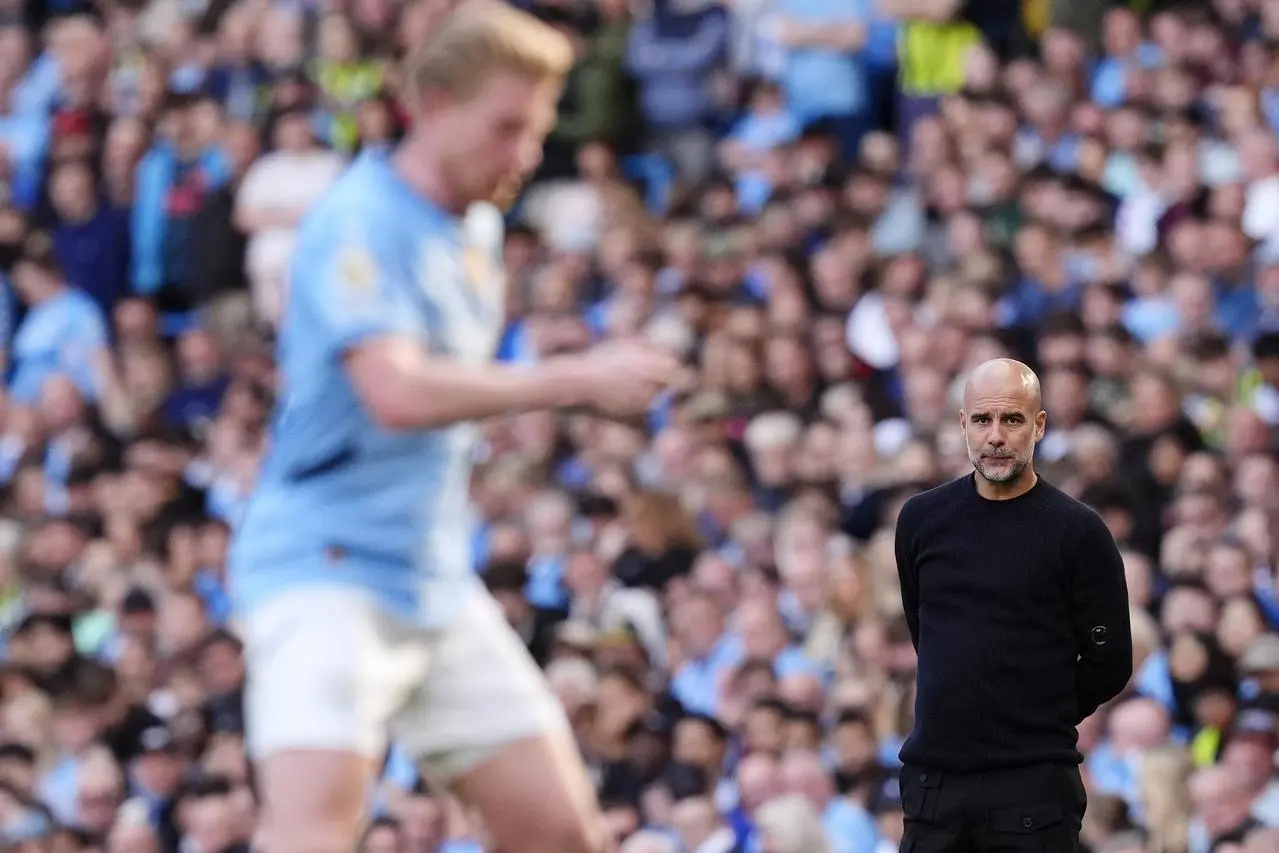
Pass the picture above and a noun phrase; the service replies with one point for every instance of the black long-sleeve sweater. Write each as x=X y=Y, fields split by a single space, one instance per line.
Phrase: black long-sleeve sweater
x=1018 y=610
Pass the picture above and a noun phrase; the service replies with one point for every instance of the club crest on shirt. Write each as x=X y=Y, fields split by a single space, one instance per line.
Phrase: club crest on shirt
x=477 y=270
x=357 y=270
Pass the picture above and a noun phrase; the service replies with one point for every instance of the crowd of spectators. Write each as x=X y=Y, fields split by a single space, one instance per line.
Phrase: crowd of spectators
x=830 y=209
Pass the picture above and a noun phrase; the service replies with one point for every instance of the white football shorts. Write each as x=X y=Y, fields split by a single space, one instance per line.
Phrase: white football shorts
x=328 y=669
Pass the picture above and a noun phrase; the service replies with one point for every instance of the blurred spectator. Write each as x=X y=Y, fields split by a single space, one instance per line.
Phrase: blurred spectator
x=830 y=211
x=672 y=53
x=271 y=200
x=822 y=75
x=91 y=236
x=174 y=178
x=62 y=333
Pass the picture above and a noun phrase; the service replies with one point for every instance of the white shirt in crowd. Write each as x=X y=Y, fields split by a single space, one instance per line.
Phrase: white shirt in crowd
x=286 y=181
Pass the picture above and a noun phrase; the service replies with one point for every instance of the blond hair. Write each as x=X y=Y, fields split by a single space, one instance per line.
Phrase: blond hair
x=1163 y=786
x=481 y=38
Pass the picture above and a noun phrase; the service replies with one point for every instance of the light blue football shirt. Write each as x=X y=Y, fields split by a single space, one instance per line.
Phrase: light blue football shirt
x=340 y=500
x=61 y=335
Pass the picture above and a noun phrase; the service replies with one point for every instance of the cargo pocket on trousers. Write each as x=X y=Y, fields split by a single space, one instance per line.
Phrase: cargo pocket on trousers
x=1033 y=828
x=919 y=790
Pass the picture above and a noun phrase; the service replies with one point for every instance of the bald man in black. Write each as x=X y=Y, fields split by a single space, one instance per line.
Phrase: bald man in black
x=1015 y=597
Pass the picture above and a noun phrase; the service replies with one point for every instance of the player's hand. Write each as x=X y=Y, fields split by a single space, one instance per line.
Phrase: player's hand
x=621 y=379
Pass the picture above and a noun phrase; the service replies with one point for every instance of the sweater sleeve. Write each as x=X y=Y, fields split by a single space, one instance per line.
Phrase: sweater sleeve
x=1099 y=611
x=907 y=576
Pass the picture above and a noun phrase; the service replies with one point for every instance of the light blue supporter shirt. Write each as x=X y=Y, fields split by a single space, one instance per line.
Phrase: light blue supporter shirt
x=61 y=335
x=821 y=82
x=339 y=500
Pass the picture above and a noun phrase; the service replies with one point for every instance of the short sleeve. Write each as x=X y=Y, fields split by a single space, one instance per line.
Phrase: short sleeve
x=353 y=280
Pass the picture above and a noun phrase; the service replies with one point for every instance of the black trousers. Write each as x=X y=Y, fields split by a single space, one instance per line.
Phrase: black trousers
x=1035 y=809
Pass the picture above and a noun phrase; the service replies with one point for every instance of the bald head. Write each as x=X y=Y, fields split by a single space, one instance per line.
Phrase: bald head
x=1003 y=420
x=1003 y=377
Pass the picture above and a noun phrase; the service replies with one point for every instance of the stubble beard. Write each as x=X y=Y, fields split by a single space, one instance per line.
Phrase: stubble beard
x=1014 y=471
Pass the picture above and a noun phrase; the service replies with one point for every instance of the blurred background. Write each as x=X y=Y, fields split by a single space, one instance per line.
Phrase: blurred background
x=830 y=209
